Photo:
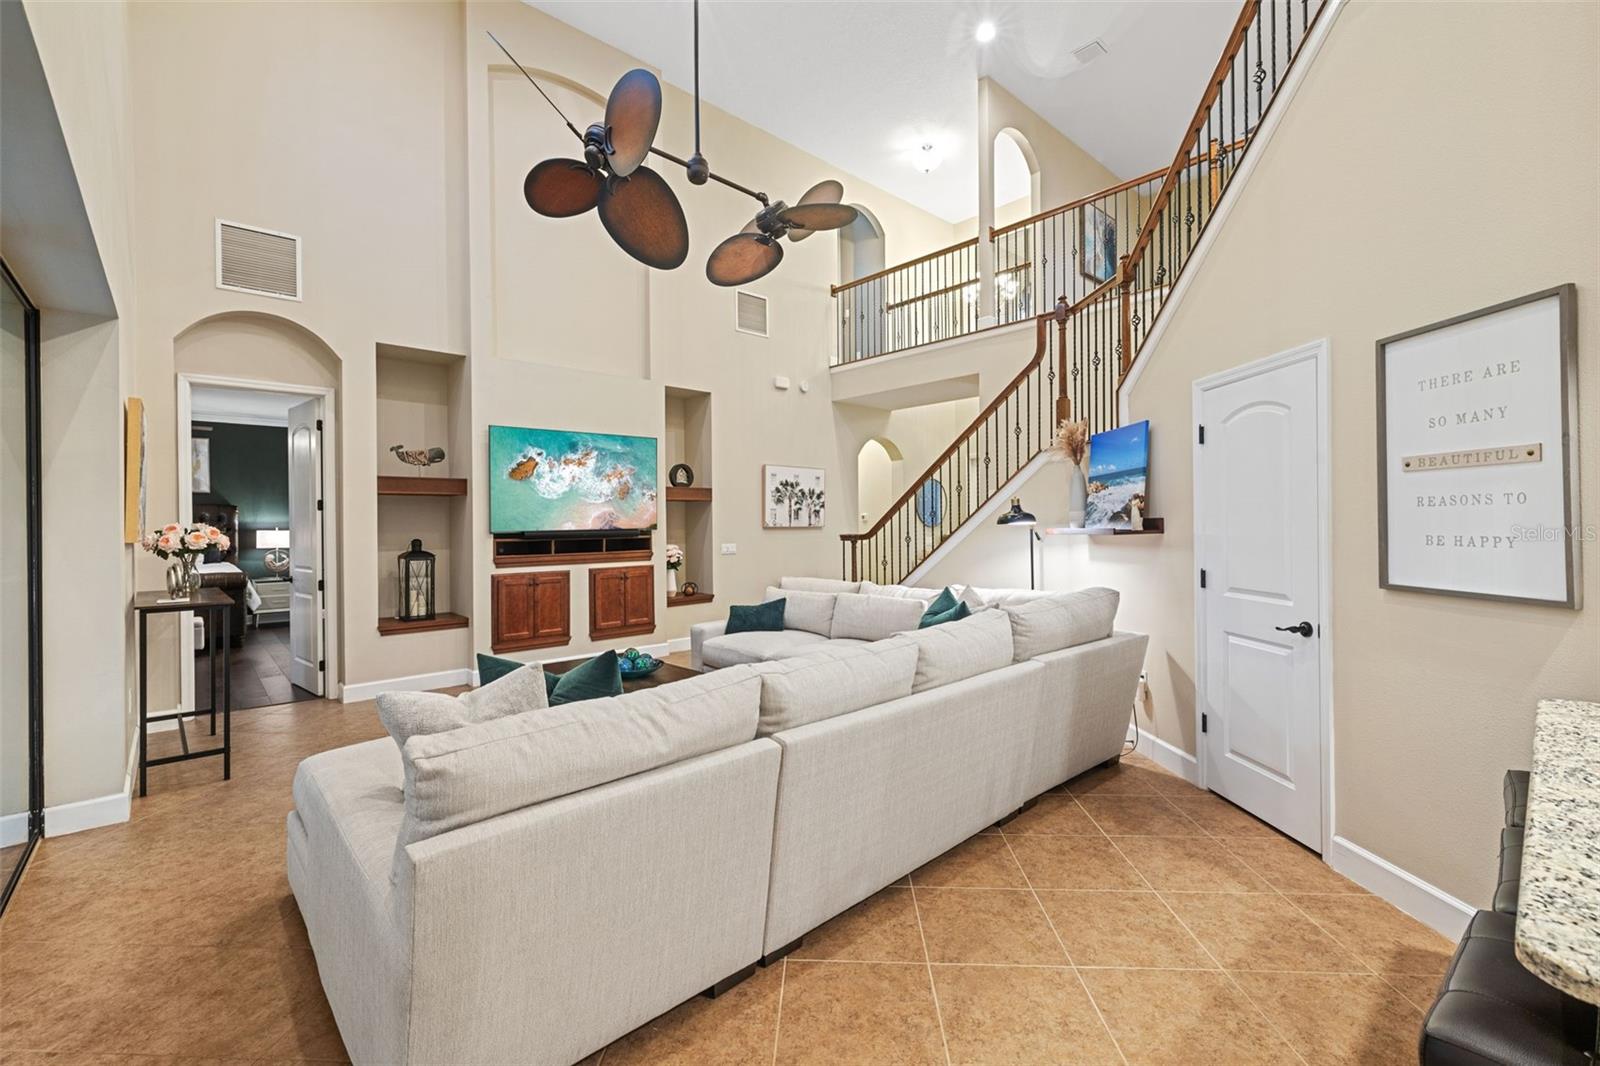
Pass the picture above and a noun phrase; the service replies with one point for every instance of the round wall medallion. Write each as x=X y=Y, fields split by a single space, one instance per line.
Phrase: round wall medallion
x=680 y=476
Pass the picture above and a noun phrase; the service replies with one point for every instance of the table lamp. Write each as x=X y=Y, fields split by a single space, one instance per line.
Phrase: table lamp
x=276 y=544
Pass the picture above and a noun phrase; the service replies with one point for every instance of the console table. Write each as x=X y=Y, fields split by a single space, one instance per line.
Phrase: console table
x=217 y=606
x=1558 y=911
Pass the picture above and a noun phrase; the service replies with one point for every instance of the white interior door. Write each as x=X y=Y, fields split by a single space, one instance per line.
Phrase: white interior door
x=1257 y=498
x=305 y=546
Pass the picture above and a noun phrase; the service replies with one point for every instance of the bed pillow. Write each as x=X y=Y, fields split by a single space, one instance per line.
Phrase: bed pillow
x=409 y=714
x=760 y=618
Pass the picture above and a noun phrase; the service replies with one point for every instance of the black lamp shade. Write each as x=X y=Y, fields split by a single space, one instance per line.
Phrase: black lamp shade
x=1017 y=516
x=416 y=585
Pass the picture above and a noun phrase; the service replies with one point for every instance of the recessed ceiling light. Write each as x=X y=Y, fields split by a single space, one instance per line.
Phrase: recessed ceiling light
x=985 y=32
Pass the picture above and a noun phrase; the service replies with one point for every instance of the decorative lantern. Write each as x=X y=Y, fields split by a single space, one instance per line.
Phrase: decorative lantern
x=416 y=585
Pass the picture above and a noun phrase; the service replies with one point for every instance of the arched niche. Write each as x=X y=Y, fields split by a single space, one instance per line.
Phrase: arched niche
x=880 y=475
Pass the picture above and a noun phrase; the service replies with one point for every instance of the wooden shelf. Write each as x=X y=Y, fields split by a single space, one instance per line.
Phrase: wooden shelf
x=684 y=601
x=1152 y=527
x=388 y=627
x=688 y=494
x=421 y=486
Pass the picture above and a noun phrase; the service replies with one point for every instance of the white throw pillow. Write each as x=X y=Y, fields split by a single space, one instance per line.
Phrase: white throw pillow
x=951 y=651
x=409 y=714
x=858 y=617
x=1062 y=620
x=832 y=681
x=818 y=584
x=808 y=611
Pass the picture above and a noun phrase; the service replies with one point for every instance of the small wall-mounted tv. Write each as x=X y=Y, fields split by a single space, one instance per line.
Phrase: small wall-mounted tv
x=555 y=480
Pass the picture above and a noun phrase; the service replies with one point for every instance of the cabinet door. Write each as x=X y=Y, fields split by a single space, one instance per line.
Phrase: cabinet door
x=531 y=610
x=621 y=601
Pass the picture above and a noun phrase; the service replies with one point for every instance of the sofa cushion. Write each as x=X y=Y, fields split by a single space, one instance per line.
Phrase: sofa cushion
x=943 y=603
x=863 y=617
x=1063 y=620
x=409 y=714
x=350 y=801
x=930 y=617
x=759 y=647
x=987 y=597
x=761 y=618
x=961 y=649
x=476 y=772
x=835 y=679
x=900 y=592
x=818 y=584
x=810 y=612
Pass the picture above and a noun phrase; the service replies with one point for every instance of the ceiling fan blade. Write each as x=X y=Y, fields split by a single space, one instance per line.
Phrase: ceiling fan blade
x=818 y=216
x=561 y=188
x=642 y=214
x=823 y=192
x=633 y=111
x=743 y=258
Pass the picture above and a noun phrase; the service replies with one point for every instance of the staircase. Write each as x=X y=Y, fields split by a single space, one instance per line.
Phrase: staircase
x=1097 y=316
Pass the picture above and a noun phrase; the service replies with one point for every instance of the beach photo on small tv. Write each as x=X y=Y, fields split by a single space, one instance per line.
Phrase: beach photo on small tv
x=1119 y=466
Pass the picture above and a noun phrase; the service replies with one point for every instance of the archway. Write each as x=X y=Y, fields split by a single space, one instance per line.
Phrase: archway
x=278 y=373
x=880 y=478
x=1016 y=197
x=861 y=250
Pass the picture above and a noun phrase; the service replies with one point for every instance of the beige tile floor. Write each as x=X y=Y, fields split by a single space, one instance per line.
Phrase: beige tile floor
x=1127 y=918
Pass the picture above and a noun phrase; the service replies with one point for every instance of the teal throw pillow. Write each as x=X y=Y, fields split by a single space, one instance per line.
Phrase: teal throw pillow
x=492 y=668
x=762 y=618
x=944 y=602
x=593 y=680
x=954 y=614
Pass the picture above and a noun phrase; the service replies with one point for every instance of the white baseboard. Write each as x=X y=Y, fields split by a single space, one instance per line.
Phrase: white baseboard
x=68 y=818
x=1167 y=756
x=415 y=683
x=1431 y=906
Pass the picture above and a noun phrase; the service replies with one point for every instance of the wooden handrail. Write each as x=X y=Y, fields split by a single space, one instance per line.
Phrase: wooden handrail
x=1180 y=159
x=1042 y=323
x=875 y=275
x=956 y=287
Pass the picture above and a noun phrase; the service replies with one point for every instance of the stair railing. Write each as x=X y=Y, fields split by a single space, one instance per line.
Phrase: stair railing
x=1086 y=346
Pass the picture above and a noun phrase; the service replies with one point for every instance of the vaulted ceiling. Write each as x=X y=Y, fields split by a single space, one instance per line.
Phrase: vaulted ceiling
x=863 y=85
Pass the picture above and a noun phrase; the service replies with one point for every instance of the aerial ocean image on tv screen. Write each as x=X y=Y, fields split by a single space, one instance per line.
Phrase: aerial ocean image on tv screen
x=548 y=480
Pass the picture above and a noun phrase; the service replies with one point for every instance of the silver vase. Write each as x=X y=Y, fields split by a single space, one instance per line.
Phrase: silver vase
x=183 y=577
x=1077 y=497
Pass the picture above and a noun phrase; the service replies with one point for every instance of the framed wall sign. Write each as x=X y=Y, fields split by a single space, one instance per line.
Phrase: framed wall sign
x=1477 y=474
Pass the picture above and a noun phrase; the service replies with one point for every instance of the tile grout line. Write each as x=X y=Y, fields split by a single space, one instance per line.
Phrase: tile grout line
x=927 y=962
x=1237 y=987
x=1037 y=902
x=777 y=1021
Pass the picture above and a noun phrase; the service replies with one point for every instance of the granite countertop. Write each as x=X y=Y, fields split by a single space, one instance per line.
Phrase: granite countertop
x=1558 y=909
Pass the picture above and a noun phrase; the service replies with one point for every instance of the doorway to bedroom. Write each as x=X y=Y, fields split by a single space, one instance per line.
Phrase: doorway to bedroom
x=255 y=471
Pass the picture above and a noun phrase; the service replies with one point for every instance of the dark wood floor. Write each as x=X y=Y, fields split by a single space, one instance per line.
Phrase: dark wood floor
x=260 y=671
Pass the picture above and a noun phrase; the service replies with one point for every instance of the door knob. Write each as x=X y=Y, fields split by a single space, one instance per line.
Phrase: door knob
x=1304 y=629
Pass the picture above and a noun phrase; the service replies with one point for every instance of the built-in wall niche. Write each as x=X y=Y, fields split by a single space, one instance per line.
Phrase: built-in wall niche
x=688 y=510
x=421 y=406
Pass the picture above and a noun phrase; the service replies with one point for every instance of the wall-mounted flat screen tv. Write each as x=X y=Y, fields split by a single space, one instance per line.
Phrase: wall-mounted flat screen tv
x=555 y=480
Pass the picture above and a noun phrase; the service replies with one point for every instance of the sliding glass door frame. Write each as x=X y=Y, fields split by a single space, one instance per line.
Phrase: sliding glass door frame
x=34 y=584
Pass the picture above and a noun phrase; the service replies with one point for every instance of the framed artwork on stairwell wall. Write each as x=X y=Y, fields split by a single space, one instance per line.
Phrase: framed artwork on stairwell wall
x=793 y=497
x=1097 y=245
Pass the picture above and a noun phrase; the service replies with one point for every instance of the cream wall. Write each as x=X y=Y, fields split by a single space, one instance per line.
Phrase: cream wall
x=1433 y=696
x=918 y=435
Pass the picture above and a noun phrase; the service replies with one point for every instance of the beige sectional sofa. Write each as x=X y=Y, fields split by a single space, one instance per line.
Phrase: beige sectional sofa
x=530 y=888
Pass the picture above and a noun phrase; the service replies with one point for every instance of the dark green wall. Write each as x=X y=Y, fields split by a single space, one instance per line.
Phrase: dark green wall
x=250 y=469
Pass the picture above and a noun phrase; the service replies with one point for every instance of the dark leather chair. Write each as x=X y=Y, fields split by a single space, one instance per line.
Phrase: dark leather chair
x=1490 y=1010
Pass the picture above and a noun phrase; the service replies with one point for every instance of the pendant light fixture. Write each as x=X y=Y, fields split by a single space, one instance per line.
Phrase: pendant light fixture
x=639 y=209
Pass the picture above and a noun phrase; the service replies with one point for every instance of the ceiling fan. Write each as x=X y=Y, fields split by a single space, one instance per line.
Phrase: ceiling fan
x=639 y=209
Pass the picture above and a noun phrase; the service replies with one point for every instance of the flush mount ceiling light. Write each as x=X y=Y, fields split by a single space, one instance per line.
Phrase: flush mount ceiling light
x=985 y=32
x=639 y=209
x=927 y=158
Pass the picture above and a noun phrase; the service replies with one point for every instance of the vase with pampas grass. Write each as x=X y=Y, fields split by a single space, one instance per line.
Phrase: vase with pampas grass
x=1072 y=444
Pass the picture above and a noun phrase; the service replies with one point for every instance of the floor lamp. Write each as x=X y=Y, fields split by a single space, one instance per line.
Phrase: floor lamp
x=1024 y=521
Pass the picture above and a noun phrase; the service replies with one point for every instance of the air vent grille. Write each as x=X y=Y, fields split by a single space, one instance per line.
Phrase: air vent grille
x=1090 y=52
x=752 y=312
x=258 y=261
